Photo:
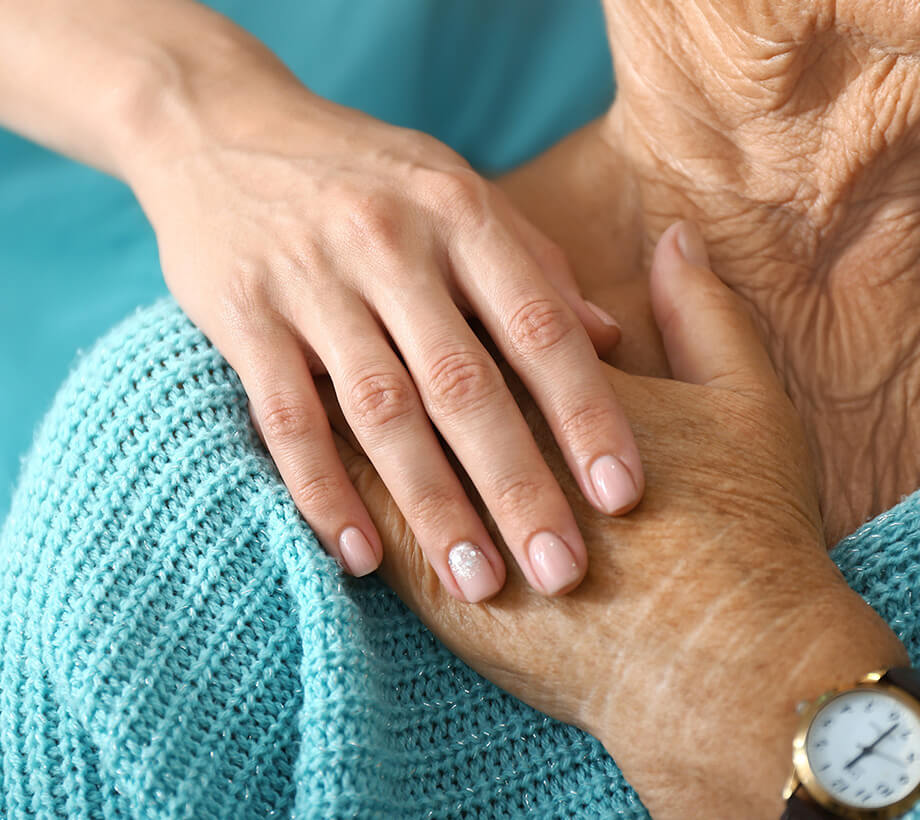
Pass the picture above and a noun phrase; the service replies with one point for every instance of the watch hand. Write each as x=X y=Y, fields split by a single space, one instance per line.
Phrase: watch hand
x=856 y=759
x=889 y=758
x=882 y=737
x=868 y=749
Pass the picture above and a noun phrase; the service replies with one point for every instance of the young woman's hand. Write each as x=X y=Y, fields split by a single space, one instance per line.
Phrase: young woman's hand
x=711 y=610
x=304 y=238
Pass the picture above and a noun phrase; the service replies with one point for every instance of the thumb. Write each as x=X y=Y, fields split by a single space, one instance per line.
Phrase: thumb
x=707 y=333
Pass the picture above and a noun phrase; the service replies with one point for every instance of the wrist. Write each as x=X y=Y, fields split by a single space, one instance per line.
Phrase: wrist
x=836 y=648
x=192 y=85
x=723 y=735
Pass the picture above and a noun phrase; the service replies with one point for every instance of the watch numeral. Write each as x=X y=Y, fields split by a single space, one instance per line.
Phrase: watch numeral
x=905 y=734
x=846 y=708
x=910 y=757
x=894 y=715
x=825 y=767
x=869 y=705
x=903 y=779
x=883 y=789
x=826 y=723
x=820 y=744
x=839 y=786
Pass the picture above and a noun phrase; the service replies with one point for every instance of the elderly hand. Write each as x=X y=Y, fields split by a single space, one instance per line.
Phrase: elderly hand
x=710 y=610
x=303 y=237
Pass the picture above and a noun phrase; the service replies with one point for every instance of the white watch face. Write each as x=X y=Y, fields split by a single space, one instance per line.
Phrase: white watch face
x=863 y=747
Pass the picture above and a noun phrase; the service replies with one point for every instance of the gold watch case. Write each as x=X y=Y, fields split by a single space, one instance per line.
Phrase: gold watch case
x=803 y=775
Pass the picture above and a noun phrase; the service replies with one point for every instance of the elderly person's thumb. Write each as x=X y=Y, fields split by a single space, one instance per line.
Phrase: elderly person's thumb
x=708 y=335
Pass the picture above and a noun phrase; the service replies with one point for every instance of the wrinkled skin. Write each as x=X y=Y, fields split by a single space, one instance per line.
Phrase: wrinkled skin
x=707 y=613
x=787 y=134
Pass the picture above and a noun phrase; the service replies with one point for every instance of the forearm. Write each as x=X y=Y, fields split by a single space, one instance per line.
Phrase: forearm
x=112 y=82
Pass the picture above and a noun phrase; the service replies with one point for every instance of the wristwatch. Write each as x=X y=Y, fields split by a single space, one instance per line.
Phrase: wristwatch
x=856 y=752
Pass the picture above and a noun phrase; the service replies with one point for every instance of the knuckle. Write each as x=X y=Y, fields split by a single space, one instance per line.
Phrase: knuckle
x=517 y=496
x=285 y=417
x=464 y=185
x=379 y=399
x=461 y=380
x=244 y=299
x=375 y=222
x=719 y=301
x=431 y=509
x=316 y=494
x=723 y=303
x=461 y=192
x=303 y=256
x=539 y=325
x=426 y=149
x=585 y=421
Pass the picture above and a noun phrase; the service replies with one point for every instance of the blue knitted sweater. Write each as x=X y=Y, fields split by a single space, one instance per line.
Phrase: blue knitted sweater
x=175 y=643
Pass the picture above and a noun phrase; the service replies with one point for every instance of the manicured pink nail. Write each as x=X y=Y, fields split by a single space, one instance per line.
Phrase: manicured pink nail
x=357 y=553
x=602 y=314
x=553 y=562
x=472 y=572
x=613 y=484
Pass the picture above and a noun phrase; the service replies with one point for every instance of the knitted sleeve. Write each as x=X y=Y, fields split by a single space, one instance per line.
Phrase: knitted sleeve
x=175 y=644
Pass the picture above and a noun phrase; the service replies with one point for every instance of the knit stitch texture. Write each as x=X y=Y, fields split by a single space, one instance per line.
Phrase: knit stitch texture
x=175 y=644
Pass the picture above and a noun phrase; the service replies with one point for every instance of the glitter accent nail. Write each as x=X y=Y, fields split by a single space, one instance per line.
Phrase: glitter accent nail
x=472 y=572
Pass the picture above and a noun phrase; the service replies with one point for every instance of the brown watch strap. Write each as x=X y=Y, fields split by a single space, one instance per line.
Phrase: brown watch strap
x=798 y=809
x=904 y=678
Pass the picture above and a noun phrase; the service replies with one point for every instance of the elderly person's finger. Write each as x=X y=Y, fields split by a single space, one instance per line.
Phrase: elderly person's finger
x=707 y=333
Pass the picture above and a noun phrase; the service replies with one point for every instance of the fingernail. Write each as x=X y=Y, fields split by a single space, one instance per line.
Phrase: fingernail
x=552 y=562
x=357 y=553
x=613 y=484
x=602 y=314
x=472 y=572
x=691 y=245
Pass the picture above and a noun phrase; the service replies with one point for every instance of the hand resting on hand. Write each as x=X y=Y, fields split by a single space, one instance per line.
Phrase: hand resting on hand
x=710 y=610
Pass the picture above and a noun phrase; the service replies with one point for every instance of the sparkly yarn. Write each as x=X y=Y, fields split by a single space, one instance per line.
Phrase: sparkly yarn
x=175 y=644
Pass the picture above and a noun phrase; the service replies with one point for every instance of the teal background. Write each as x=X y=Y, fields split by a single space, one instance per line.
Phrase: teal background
x=498 y=80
